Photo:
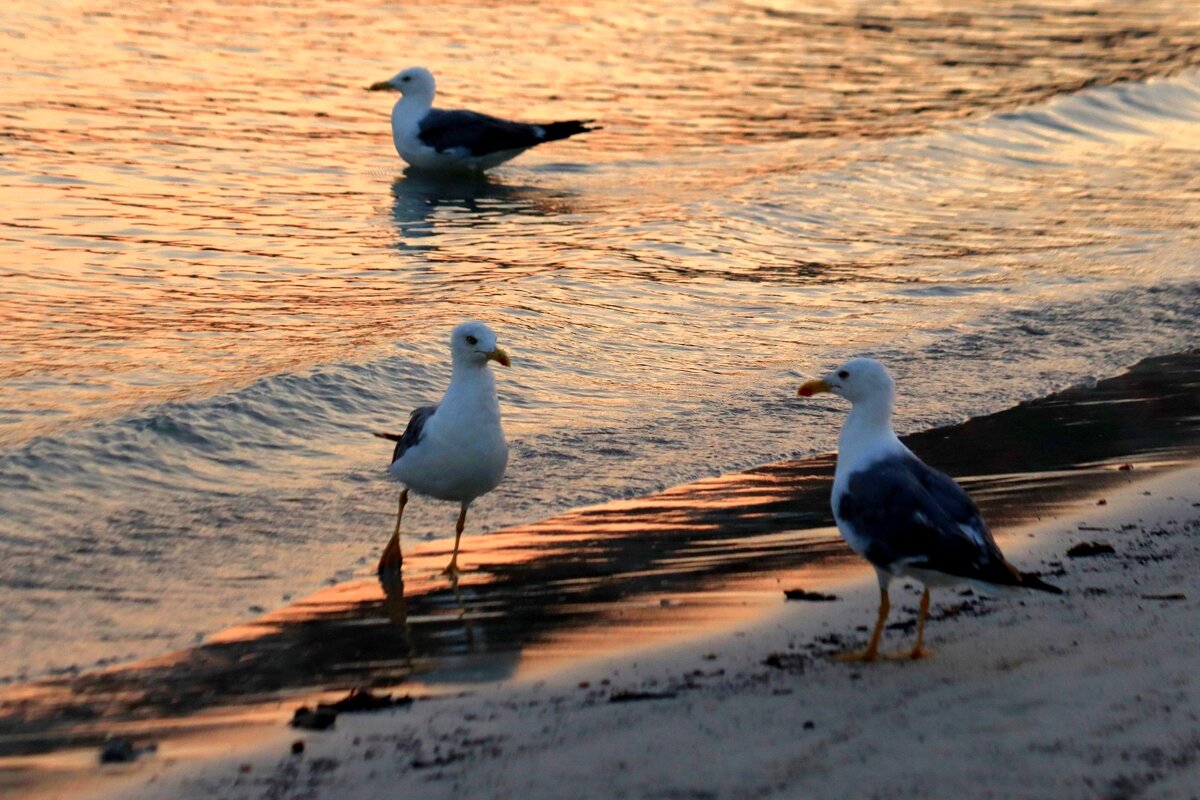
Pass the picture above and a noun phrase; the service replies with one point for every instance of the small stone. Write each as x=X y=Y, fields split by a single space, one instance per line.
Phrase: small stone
x=117 y=751
x=297 y=747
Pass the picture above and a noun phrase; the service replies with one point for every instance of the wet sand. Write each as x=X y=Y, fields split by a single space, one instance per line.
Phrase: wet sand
x=1088 y=694
x=680 y=565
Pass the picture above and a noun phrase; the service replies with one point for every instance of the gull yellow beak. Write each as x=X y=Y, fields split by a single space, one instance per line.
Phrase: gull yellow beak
x=500 y=357
x=810 y=388
x=381 y=86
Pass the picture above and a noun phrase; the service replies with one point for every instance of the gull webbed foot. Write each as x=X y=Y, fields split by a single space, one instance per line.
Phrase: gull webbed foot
x=867 y=655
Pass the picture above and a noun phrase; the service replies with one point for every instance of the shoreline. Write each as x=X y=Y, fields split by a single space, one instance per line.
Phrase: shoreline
x=1087 y=694
x=720 y=553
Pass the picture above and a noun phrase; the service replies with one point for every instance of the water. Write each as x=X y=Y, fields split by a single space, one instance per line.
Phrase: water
x=216 y=280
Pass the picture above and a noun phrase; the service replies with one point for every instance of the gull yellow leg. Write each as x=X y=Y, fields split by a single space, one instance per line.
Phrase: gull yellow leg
x=919 y=650
x=392 y=558
x=452 y=568
x=872 y=651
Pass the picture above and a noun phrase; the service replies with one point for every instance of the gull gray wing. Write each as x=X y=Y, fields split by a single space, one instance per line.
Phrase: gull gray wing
x=412 y=433
x=480 y=134
x=914 y=515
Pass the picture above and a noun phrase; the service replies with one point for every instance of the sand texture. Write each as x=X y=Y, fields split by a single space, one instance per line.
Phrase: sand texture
x=1091 y=694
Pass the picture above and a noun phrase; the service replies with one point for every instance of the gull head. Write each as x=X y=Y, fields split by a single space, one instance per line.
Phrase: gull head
x=475 y=343
x=412 y=81
x=858 y=380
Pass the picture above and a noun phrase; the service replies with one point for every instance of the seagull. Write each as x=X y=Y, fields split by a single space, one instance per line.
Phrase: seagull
x=901 y=515
x=459 y=141
x=454 y=450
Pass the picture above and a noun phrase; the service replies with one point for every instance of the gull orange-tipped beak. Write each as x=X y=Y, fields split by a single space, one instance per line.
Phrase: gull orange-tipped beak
x=500 y=357
x=381 y=86
x=809 y=388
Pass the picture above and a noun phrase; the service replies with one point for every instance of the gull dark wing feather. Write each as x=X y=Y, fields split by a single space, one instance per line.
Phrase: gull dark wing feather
x=916 y=516
x=480 y=134
x=412 y=433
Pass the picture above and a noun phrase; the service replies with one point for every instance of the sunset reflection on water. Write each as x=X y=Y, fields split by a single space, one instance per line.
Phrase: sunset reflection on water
x=216 y=280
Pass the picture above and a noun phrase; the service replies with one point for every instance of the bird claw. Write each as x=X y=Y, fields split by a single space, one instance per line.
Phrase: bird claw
x=867 y=655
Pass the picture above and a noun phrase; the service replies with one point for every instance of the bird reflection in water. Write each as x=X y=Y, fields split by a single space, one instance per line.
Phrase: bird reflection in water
x=395 y=605
x=391 y=580
x=425 y=205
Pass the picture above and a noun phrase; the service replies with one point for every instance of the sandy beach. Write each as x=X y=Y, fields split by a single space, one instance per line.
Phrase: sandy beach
x=1085 y=695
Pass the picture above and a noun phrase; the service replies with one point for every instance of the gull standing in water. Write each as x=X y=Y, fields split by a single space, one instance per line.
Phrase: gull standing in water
x=454 y=450
x=459 y=141
x=899 y=514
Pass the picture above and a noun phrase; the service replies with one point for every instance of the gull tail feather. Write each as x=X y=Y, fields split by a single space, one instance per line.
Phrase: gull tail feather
x=562 y=130
x=391 y=437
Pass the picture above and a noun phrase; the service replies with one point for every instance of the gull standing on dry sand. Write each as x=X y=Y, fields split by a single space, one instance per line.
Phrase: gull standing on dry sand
x=901 y=515
x=454 y=450
x=459 y=141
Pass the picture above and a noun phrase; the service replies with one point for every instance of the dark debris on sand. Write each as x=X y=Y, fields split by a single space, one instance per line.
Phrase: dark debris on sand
x=788 y=662
x=811 y=597
x=325 y=715
x=313 y=720
x=1087 y=549
x=632 y=696
x=122 y=751
x=359 y=700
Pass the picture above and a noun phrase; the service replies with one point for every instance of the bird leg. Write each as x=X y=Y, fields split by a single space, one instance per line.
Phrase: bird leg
x=872 y=651
x=392 y=558
x=452 y=568
x=919 y=650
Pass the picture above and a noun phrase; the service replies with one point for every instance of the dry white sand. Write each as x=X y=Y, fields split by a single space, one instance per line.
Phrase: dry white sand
x=1092 y=694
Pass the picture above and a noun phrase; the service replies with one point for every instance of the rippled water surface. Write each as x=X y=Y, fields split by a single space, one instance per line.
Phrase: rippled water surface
x=216 y=280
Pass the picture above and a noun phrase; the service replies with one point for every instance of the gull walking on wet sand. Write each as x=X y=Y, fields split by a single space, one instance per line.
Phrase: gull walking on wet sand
x=901 y=515
x=454 y=450
x=429 y=138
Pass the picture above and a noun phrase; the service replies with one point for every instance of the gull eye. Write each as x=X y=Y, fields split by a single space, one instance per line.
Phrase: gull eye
x=843 y=374
x=406 y=78
x=470 y=339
